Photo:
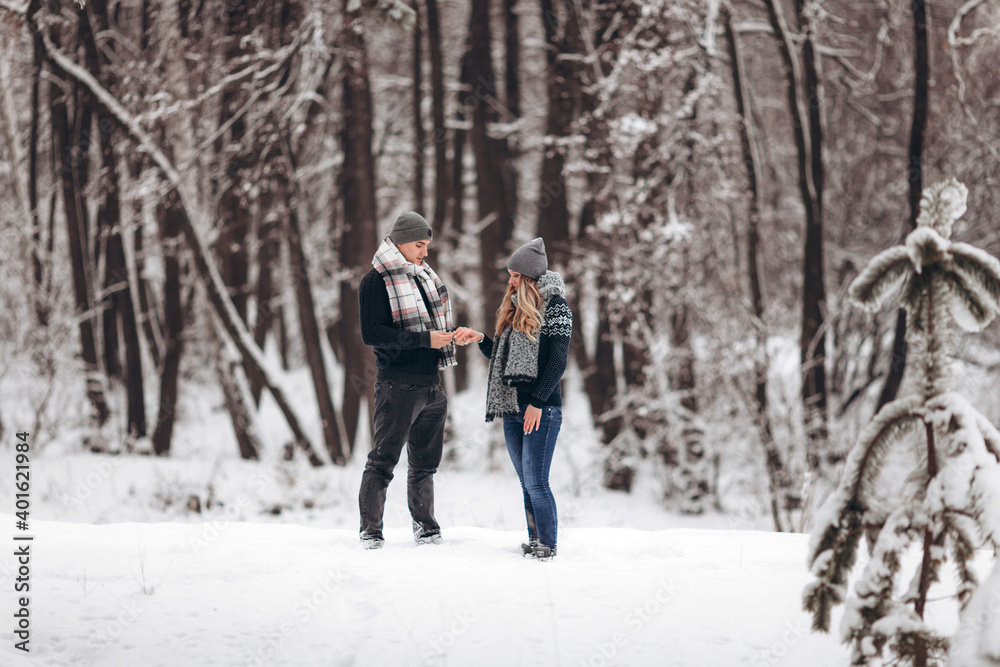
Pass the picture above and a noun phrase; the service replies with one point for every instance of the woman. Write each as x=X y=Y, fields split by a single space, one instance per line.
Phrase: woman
x=533 y=329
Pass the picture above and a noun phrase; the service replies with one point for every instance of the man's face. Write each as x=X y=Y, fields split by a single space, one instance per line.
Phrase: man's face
x=414 y=251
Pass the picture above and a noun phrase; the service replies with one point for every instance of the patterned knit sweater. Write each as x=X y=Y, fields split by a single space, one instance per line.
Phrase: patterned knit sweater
x=553 y=345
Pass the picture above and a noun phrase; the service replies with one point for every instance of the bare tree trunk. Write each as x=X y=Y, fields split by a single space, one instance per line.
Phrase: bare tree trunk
x=236 y=393
x=562 y=36
x=512 y=58
x=508 y=145
x=812 y=342
x=108 y=209
x=442 y=181
x=267 y=259
x=419 y=134
x=464 y=102
x=463 y=308
x=330 y=420
x=282 y=337
x=42 y=298
x=119 y=310
x=169 y=217
x=493 y=189
x=147 y=317
x=280 y=17
x=918 y=129
x=693 y=465
x=444 y=175
x=357 y=191
x=237 y=161
x=779 y=483
x=75 y=229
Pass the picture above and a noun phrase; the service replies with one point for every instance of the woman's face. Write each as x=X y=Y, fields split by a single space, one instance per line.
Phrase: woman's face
x=515 y=279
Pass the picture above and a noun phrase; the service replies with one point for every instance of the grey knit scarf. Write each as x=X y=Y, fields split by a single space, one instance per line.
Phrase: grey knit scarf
x=514 y=360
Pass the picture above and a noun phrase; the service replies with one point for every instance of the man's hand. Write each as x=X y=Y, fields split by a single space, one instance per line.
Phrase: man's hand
x=532 y=417
x=441 y=338
x=465 y=335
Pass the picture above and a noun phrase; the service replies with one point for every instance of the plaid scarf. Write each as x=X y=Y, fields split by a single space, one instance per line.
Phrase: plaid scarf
x=409 y=313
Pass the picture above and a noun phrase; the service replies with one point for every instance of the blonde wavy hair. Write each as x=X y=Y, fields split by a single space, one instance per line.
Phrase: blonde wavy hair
x=525 y=316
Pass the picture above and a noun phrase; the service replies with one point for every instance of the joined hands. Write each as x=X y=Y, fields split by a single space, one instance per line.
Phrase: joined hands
x=465 y=335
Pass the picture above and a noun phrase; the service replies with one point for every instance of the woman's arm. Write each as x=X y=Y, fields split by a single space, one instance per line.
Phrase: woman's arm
x=555 y=334
x=486 y=346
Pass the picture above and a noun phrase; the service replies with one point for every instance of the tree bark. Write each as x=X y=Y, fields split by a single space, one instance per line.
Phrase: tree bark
x=118 y=311
x=357 y=191
x=75 y=229
x=267 y=260
x=237 y=161
x=419 y=134
x=463 y=310
x=148 y=317
x=779 y=483
x=42 y=298
x=330 y=420
x=236 y=394
x=812 y=340
x=493 y=174
x=169 y=217
x=562 y=76
x=915 y=173
x=693 y=466
x=512 y=58
x=442 y=182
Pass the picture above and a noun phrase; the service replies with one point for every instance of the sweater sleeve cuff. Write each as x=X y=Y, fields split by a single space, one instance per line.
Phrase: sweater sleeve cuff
x=536 y=402
x=423 y=338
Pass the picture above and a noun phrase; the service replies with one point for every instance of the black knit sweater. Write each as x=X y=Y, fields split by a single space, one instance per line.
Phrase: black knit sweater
x=553 y=353
x=400 y=356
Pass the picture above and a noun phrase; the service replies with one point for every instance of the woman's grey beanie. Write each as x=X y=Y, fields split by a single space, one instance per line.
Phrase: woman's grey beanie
x=530 y=259
x=410 y=226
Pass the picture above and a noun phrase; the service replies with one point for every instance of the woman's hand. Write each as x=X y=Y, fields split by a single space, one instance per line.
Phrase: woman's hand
x=465 y=335
x=532 y=417
x=441 y=338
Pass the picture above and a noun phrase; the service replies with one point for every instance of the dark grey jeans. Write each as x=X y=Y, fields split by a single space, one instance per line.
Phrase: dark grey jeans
x=413 y=415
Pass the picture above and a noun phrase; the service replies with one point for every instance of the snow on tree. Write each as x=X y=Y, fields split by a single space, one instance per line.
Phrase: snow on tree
x=951 y=501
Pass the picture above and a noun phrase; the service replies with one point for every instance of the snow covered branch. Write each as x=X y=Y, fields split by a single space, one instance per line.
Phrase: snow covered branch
x=955 y=490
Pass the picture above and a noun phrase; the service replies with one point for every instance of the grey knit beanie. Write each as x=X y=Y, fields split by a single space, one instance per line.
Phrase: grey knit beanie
x=410 y=226
x=530 y=259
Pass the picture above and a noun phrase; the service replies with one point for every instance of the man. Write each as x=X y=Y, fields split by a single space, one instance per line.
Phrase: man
x=406 y=318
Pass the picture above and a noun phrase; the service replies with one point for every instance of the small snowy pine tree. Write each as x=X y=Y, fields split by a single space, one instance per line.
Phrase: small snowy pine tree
x=954 y=494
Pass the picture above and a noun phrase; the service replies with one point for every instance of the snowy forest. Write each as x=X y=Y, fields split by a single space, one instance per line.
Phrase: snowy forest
x=192 y=190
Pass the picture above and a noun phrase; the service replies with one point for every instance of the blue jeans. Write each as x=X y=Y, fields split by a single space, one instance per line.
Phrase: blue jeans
x=531 y=455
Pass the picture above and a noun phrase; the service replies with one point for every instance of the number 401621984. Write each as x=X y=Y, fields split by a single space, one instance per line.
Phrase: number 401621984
x=22 y=480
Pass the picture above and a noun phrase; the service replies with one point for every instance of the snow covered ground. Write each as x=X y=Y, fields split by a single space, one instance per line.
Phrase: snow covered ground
x=205 y=559
x=242 y=593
